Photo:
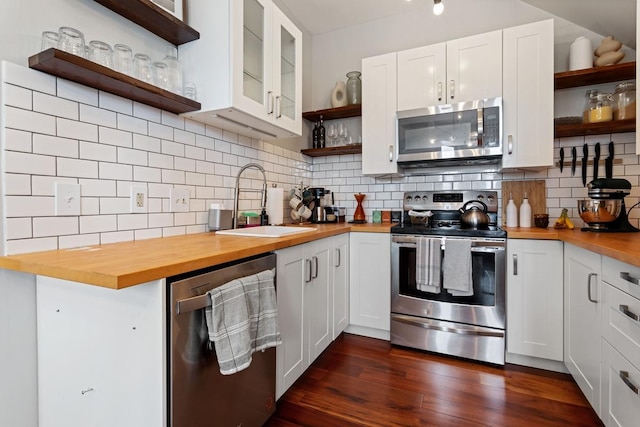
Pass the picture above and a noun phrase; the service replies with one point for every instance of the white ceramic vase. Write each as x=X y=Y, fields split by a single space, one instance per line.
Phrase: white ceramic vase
x=339 y=95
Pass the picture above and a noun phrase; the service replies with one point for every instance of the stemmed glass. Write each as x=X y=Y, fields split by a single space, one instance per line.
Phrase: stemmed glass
x=332 y=135
x=343 y=134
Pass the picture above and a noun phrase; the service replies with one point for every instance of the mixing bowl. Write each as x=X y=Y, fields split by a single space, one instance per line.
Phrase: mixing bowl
x=599 y=211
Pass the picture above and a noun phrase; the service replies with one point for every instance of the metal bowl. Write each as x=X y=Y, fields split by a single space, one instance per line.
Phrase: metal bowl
x=599 y=211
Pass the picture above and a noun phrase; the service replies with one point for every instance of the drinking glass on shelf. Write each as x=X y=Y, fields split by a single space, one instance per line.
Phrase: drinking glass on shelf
x=190 y=90
x=49 y=40
x=161 y=75
x=343 y=132
x=71 y=40
x=101 y=53
x=123 y=59
x=332 y=135
x=142 y=67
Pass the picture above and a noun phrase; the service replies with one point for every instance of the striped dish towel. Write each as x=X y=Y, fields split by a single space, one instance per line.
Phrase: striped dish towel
x=242 y=319
x=428 y=261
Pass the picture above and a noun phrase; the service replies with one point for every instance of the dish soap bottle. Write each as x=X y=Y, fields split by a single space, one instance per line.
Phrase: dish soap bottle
x=512 y=213
x=525 y=212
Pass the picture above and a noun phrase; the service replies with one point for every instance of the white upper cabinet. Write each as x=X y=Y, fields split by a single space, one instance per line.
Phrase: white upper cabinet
x=247 y=66
x=460 y=70
x=379 y=91
x=528 y=96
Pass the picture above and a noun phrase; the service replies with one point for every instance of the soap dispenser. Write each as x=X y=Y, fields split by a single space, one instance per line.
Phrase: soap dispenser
x=512 y=213
x=525 y=212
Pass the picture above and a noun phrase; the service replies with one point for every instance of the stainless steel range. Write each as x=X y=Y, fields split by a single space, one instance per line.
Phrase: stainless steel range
x=448 y=275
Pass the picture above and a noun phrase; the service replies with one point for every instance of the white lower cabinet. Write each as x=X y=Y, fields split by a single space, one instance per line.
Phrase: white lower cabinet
x=308 y=275
x=370 y=283
x=101 y=355
x=340 y=272
x=582 y=331
x=534 y=298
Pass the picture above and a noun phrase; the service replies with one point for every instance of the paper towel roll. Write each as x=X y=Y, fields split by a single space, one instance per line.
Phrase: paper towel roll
x=275 y=205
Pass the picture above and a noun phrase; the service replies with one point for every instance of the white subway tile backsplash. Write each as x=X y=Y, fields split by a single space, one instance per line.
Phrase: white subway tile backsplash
x=76 y=92
x=16 y=162
x=132 y=157
x=28 y=206
x=132 y=124
x=149 y=233
x=114 y=205
x=115 y=171
x=184 y=137
x=162 y=161
x=109 y=101
x=97 y=151
x=16 y=118
x=160 y=220
x=55 y=146
x=158 y=130
x=28 y=78
x=172 y=120
x=76 y=130
x=53 y=105
x=24 y=246
x=78 y=241
x=170 y=176
x=195 y=153
x=195 y=127
x=77 y=168
x=146 y=143
x=116 y=137
x=17 y=184
x=172 y=148
x=115 y=237
x=17 y=140
x=97 y=188
x=55 y=226
x=147 y=112
x=97 y=116
x=132 y=221
x=183 y=164
x=45 y=185
x=90 y=206
x=145 y=174
x=18 y=228
x=206 y=142
x=184 y=218
x=17 y=96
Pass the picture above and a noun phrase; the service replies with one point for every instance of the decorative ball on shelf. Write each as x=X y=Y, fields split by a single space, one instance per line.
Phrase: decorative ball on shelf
x=608 y=53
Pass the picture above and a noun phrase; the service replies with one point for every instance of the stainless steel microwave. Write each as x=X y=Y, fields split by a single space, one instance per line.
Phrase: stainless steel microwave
x=462 y=133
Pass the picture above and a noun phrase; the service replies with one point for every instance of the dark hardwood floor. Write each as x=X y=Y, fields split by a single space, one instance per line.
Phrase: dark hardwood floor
x=361 y=381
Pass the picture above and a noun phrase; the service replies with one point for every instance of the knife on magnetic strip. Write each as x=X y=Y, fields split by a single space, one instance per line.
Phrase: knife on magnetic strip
x=585 y=159
x=574 y=156
x=608 y=162
x=596 y=161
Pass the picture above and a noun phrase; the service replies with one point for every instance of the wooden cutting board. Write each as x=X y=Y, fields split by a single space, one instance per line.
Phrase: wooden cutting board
x=536 y=193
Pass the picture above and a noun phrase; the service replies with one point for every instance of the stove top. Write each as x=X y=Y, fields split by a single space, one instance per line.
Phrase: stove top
x=445 y=219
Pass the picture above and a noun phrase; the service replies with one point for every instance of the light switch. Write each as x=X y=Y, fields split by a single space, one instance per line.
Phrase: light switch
x=67 y=198
x=179 y=199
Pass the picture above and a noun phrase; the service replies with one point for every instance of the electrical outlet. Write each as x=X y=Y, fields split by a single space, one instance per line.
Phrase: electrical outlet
x=67 y=199
x=179 y=199
x=138 y=199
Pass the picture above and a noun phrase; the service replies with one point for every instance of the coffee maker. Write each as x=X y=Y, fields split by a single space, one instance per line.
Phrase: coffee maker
x=605 y=211
x=318 y=213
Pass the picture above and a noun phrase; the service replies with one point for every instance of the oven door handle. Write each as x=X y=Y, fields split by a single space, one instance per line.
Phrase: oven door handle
x=462 y=330
x=478 y=249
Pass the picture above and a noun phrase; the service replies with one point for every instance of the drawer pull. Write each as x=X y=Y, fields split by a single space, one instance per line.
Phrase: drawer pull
x=624 y=376
x=625 y=310
x=626 y=276
x=589 y=287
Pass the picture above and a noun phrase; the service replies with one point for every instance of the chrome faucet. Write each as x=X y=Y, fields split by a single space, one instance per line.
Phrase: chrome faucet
x=237 y=190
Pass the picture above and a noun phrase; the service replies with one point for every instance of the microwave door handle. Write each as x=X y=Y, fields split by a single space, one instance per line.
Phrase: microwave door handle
x=480 y=127
x=439 y=91
x=452 y=89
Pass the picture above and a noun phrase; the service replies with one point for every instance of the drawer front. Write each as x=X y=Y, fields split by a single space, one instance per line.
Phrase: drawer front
x=623 y=276
x=621 y=404
x=621 y=322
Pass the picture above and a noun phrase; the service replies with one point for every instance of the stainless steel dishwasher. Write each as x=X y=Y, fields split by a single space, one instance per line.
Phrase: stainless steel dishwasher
x=199 y=395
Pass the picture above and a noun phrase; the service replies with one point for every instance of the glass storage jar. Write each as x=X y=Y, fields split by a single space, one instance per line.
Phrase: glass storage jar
x=354 y=88
x=624 y=101
x=591 y=93
x=600 y=109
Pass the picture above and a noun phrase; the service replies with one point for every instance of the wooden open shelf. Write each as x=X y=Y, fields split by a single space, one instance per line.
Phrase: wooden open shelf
x=71 y=67
x=333 y=151
x=354 y=110
x=616 y=126
x=595 y=75
x=149 y=15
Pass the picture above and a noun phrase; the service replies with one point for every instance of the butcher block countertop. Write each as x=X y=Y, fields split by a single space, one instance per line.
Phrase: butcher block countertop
x=624 y=247
x=120 y=265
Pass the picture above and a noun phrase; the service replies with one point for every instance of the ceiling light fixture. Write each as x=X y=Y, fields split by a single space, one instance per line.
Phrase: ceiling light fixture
x=438 y=7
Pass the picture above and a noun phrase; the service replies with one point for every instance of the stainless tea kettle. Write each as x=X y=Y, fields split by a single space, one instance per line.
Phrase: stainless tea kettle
x=473 y=217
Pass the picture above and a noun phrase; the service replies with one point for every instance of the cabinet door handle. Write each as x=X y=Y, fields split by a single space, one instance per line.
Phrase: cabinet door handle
x=310 y=274
x=624 y=376
x=270 y=102
x=452 y=89
x=278 y=107
x=439 y=91
x=338 y=256
x=515 y=265
x=315 y=261
x=391 y=153
x=589 y=287
x=625 y=310
x=510 y=144
x=629 y=278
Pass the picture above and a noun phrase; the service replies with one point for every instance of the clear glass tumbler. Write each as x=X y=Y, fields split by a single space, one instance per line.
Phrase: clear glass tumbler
x=142 y=67
x=174 y=69
x=161 y=75
x=123 y=59
x=101 y=53
x=71 y=40
x=190 y=91
x=49 y=40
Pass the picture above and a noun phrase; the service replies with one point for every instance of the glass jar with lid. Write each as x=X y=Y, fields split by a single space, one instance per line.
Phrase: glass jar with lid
x=354 y=87
x=600 y=108
x=624 y=101
x=591 y=93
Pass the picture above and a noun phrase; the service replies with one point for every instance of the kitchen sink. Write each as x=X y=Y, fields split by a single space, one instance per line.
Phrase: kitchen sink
x=266 y=231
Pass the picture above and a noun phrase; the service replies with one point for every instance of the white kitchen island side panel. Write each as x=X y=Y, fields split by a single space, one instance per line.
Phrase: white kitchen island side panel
x=101 y=355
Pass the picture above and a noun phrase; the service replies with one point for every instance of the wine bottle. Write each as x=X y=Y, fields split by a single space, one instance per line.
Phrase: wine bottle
x=316 y=135
x=321 y=134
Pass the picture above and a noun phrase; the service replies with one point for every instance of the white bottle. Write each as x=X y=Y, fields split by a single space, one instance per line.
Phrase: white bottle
x=525 y=212
x=512 y=213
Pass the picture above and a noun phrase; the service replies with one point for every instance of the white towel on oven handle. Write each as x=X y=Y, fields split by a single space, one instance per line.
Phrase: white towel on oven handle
x=428 y=262
x=457 y=276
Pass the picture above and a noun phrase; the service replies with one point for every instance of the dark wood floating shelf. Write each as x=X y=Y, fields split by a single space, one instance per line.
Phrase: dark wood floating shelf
x=154 y=18
x=354 y=110
x=595 y=75
x=333 y=151
x=71 y=67
x=616 y=126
